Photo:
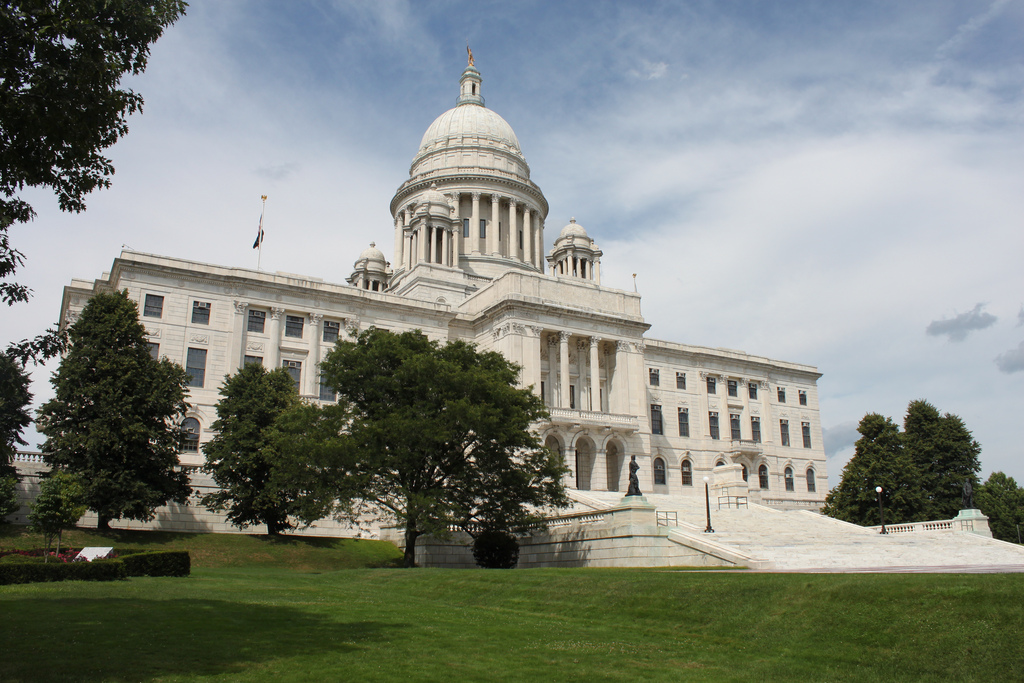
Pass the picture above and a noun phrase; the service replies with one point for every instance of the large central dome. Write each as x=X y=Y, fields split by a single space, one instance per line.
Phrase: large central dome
x=469 y=138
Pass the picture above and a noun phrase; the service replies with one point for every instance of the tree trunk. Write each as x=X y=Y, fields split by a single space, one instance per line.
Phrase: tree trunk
x=410 y=545
x=103 y=523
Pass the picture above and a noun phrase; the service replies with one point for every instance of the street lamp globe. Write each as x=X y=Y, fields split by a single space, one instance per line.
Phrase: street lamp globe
x=878 y=489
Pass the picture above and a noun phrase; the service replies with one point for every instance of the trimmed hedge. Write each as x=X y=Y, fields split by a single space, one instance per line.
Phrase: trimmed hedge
x=34 y=572
x=159 y=563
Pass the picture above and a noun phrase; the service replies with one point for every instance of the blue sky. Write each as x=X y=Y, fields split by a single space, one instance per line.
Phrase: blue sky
x=840 y=184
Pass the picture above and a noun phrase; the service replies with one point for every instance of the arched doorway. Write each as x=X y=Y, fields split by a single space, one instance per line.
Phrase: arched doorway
x=613 y=464
x=584 y=463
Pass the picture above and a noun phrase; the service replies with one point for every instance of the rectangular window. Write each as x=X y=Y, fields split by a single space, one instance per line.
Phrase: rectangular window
x=734 y=426
x=201 y=312
x=294 y=369
x=684 y=422
x=154 y=350
x=293 y=326
x=520 y=240
x=483 y=228
x=195 y=366
x=784 y=431
x=253 y=359
x=805 y=428
x=712 y=389
x=656 y=424
x=733 y=388
x=680 y=380
x=331 y=330
x=465 y=227
x=752 y=390
x=782 y=395
x=755 y=429
x=154 y=306
x=572 y=396
x=327 y=393
x=654 y=376
x=713 y=424
x=543 y=392
x=257 y=321
x=802 y=395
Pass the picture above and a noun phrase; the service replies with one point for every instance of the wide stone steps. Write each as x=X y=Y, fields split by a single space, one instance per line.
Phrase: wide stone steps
x=799 y=539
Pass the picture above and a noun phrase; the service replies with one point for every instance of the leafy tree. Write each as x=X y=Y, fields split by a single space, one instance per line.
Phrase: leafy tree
x=8 y=497
x=1002 y=502
x=59 y=505
x=432 y=435
x=946 y=456
x=114 y=419
x=879 y=459
x=242 y=457
x=60 y=106
x=14 y=416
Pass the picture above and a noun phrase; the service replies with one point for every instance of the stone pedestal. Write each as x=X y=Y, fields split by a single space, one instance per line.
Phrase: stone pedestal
x=973 y=522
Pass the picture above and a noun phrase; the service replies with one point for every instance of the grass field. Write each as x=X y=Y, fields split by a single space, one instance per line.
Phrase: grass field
x=256 y=623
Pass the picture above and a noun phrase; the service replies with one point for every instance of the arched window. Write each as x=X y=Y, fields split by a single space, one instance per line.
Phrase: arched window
x=719 y=463
x=659 y=471
x=762 y=476
x=190 y=428
x=811 y=487
x=789 y=479
x=687 y=470
x=746 y=474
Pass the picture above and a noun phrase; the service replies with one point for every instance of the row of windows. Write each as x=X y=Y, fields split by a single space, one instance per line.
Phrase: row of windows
x=658 y=426
x=686 y=470
x=732 y=386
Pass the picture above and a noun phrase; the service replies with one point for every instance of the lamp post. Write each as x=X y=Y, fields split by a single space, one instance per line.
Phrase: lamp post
x=881 y=510
x=707 y=507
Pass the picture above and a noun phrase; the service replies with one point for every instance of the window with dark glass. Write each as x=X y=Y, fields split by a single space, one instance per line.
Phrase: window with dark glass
x=687 y=469
x=802 y=396
x=752 y=390
x=154 y=350
x=762 y=477
x=680 y=380
x=784 y=431
x=252 y=359
x=659 y=471
x=154 y=306
x=483 y=228
x=654 y=377
x=257 y=321
x=294 y=369
x=520 y=240
x=195 y=366
x=713 y=424
x=656 y=424
x=331 y=330
x=712 y=389
x=684 y=422
x=293 y=326
x=734 y=426
x=805 y=429
x=465 y=227
x=811 y=487
x=200 y=312
x=755 y=429
x=572 y=396
x=733 y=387
x=190 y=432
x=789 y=479
x=782 y=395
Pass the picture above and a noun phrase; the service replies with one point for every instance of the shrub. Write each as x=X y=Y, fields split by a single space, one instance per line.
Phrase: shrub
x=33 y=572
x=163 y=563
x=496 y=550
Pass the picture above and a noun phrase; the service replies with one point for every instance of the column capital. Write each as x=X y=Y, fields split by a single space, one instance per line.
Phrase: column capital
x=594 y=341
x=241 y=307
x=315 y=318
x=475 y=196
x=512 y=202
x=582 y=344
x=552 y=340
x=352 y=326
x=276 y=313
x=564 y=336
x=622 y=345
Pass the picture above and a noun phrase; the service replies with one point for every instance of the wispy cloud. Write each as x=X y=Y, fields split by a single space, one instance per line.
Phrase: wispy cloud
x=650 y=71
x=969 y=28
x=957 y=327
x=1012 y=360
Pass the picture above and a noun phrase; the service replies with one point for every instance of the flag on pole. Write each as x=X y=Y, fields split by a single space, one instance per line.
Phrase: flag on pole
x=259 y=235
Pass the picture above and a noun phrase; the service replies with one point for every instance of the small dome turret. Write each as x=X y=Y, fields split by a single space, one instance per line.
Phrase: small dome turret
x=371 y=270
x=573 y=229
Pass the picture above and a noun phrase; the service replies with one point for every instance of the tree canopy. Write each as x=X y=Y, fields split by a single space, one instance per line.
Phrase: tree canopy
x=58 y=506
x=61 y=65
x=432 y=435
x=14 y=415
x=114 y=419
x=1002 y=501
x=243 y=456
x=922 y=469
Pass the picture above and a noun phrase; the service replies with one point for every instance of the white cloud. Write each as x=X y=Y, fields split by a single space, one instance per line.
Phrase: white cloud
x=959 y=326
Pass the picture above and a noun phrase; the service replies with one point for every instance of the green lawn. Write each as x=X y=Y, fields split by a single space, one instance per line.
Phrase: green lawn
x=272 y=623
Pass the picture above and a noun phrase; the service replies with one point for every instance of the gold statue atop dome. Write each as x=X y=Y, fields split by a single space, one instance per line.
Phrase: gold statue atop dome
x=470 y=52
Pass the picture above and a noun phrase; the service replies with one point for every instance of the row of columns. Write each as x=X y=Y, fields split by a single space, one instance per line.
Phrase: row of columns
x=619 y=374
x=574 y=265
x=415 y=244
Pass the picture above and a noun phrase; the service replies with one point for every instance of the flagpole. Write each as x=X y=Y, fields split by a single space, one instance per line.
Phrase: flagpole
x=259 y=251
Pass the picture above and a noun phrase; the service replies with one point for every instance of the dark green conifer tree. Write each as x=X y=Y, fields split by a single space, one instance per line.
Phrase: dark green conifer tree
x=946 y=455
x=1002 y=501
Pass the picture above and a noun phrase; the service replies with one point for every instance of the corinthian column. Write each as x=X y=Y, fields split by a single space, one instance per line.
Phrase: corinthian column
x=563 y=369
x=552 y=397
x=527 y=234
x=492 y=229
x=595 y=375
